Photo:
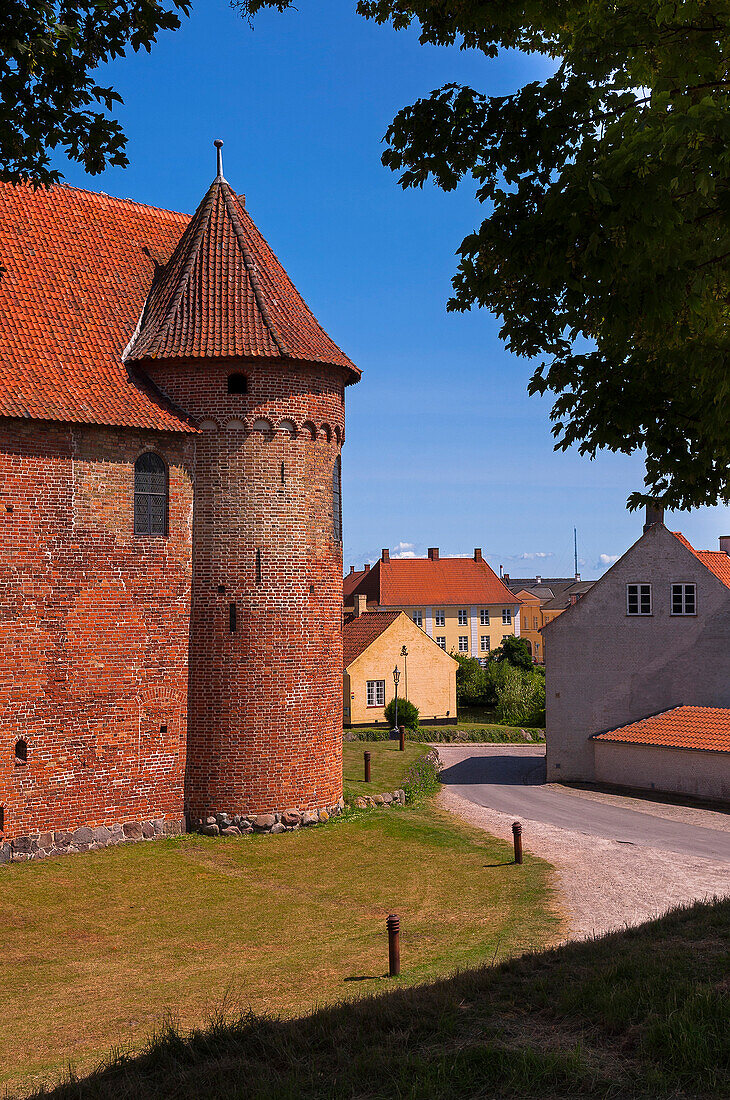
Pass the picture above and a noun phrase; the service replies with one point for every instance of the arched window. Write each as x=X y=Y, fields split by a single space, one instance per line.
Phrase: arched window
x=337 y=499
x=237 y=383
x=150 y=495
x=21 y=752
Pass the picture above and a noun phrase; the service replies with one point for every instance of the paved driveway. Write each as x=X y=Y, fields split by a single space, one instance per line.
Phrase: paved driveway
x=511 y=779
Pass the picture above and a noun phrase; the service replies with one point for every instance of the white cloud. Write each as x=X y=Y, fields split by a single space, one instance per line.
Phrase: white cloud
x=608 y=559
x=403 y=550
x=528 y=556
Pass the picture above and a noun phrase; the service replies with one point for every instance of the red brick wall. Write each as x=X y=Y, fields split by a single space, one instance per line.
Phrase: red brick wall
x=93 y=629
x=265 y=721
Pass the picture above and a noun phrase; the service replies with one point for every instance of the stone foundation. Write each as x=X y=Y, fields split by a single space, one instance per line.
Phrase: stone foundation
x=284 y=821
x=88 y=838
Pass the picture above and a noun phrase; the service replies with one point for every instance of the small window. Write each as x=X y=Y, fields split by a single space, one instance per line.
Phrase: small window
x=417 y=617
x=440 y=617
x=375 y=690
x=2 y=819
x=21 y=753
x=441 y=641
x=258 y=567
x=484 y=643
x=684 y=599
x=463 y=643
x=537 y=649
x=638 y=599
x=150 y=495
x=337 y=499
x=506 y=616
x=534 y=624
x=232 y=618
x=484 y=616
x=463 y=617
x=237 y=383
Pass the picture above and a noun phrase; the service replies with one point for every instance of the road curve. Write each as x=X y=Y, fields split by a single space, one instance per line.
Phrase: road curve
x=511 y=779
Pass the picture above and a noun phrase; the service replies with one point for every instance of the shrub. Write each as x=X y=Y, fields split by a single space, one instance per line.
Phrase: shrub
x=422 y=777
x=471 y=682
x=520 y=697
x=515 y=652
x=407 y=714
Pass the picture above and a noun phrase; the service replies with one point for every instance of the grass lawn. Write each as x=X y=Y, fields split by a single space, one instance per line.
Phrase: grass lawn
x=637 y=1014
x=388 y=766
x=97 y=949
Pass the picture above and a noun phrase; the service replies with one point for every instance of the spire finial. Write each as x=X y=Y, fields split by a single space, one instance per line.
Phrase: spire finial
x=219 y=156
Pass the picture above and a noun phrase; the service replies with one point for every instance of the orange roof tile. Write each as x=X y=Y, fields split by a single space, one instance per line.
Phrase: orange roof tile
x=416 y=582
x=225 y=294
x=78 y=271
x=705 y=728
x=351 y=581
x=717 y=561
x=359 y=633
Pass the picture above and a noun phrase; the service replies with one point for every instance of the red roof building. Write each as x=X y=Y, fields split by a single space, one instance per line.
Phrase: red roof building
x=171 y=422
x=697 y=728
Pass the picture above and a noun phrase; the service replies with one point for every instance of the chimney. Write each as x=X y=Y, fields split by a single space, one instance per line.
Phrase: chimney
x=654 y=514
x=505 y=578
x=573 y=599
x=352 y=568
x=538 y=580
x=385 y=555
x=725 y=543
x=577 y=576
x=478 y=554
x=361 y=604
x=433 y=553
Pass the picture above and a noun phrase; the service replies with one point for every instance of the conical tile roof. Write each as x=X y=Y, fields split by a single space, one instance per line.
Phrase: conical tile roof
x=224 y=294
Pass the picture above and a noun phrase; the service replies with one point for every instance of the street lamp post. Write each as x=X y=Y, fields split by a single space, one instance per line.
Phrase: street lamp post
x=404 y=655
x=396 y=678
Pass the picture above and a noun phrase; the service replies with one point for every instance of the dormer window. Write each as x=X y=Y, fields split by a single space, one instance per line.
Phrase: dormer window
x=237 y=383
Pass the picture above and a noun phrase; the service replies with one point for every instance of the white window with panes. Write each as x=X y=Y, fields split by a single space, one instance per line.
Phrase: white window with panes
x=439 y=617
x=418 y=618
x=506 y=616
x=463 y=616
x=638 y=599
x=376 y=693
x=441 y=641
x=463 y=643
x=684 y=599
x=484 y=643
x=484 y=616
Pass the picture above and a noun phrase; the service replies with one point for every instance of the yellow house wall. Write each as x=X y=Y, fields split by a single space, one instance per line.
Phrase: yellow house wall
x=431 y=675
x=473 y=631
x=530 y=622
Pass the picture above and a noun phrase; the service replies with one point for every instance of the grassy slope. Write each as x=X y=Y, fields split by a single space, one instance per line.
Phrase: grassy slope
x=641 y=1013
x=96 y=949
x=388 y=766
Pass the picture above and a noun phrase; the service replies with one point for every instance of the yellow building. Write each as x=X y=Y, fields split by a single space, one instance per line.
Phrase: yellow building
x=458 y=602
x=373 y=644
x=531 y=623
x=543 y=599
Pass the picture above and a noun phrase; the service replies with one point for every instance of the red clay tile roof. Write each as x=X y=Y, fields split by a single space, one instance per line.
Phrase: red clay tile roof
x=717 y=561
x=82 y=267
x=418 y=582
x=225 y=294
x=359 y=633
x=351 y=581
x=75 y=281
x=705 y=728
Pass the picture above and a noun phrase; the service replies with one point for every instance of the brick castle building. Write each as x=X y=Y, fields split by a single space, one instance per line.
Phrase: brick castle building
x=171 y=420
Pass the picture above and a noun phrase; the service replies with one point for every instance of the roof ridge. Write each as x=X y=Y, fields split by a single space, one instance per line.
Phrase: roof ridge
x=118 y=198
x=250 y=266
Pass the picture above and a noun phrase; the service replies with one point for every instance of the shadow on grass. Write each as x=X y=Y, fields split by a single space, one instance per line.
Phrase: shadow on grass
x=638 y=1013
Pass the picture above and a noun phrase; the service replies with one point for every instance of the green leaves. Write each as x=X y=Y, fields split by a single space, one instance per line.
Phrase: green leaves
x=48 y=97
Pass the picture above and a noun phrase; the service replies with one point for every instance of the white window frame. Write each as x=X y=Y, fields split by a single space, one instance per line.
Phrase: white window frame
x=463 y=643
x=683 y=585
x=441 y=641
x=417 y=616
x=639 y=585
x=375 y=689
x=485 y=648
x=506 y=616
x=484 y=616
x=439 y=617
x=463 y=616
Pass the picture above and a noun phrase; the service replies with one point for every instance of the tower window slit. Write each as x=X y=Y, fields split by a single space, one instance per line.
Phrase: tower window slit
x=282 y=473
x=21 y=752
x=258 y=567
x=232 y=618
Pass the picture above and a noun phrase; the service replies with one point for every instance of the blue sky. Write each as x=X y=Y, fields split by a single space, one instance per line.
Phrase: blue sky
x=444 y=447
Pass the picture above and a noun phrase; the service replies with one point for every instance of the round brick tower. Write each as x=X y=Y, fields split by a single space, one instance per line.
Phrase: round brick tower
x=226 y=336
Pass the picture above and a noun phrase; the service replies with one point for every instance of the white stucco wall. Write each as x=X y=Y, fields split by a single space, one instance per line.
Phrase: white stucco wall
x=605 y=668
x=701 y=774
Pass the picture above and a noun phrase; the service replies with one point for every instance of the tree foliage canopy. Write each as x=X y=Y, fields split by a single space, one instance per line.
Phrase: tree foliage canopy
x=605 y=250
x=49 y=97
